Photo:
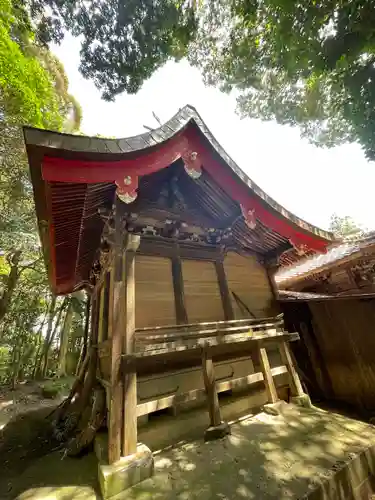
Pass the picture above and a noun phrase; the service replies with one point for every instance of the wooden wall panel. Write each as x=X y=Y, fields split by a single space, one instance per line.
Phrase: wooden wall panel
x=154 y=295
x=202 y=294
x=345 y=333
x=249 y=281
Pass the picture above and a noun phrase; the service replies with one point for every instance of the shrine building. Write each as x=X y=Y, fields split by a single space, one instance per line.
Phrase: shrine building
x=177 y=249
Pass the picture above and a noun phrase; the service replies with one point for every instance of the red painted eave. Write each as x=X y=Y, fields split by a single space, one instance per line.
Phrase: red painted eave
x=73 y=176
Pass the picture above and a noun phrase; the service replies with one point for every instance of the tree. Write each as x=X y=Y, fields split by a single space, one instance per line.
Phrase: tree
x=303 y=63
x=33 y=91
x=123 y=43
x=345 y=226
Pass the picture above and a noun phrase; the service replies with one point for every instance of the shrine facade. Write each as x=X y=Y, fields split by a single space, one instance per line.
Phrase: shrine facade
x=177 y=248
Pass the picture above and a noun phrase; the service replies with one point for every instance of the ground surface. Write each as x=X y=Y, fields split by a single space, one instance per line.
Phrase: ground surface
x=265 y=457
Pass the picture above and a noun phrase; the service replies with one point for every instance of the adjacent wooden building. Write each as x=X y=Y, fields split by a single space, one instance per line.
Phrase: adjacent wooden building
x=330 y=300
x=177 y=248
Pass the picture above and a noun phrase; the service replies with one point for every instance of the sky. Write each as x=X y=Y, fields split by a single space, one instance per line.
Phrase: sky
x=311 y=182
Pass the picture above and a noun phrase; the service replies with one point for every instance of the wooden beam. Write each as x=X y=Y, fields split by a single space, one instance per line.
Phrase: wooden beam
x=201 y=395
x=267 y=375
x=178 y=287
x=224 y=290
x=129 y=437
x=214 y=341
x=210 y=387
x=286 y=357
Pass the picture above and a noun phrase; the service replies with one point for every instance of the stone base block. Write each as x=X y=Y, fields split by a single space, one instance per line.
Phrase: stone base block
x=126 y=472
x=217 y=432
x=275 y=408
x=303 y=400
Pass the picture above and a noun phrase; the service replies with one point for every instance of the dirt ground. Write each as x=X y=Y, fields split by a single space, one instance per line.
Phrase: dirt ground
x=265 y=457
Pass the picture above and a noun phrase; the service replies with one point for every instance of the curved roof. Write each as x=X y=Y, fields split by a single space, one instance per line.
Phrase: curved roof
x=102 y=159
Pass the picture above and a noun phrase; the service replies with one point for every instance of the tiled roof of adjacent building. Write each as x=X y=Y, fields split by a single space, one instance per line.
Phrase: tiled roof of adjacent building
x=349 y=249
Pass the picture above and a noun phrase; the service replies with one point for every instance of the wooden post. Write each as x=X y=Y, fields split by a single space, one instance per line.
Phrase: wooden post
x=101 y=298
x=272 y=267
x=224 y=290
x=129 y=438
x=210 y=386
x=295 y=383
x=116 y=389
x=110 y=301
x=178 y=287
x=267 y=375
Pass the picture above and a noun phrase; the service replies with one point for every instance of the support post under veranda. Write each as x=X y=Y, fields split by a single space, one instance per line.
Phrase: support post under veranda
x=83 y=412
x=122 y=425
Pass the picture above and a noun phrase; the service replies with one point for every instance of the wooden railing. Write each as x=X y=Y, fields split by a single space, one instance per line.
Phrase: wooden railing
x=160 y=349
x=153 y=341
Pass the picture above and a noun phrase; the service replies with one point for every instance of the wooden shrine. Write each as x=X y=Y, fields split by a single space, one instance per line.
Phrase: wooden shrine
x=177 y=248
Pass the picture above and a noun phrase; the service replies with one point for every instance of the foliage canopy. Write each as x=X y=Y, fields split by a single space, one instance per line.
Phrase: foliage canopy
x=305 y=63
x=33 y=91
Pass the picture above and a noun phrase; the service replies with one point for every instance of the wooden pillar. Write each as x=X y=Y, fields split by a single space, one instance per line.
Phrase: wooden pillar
x=122 y=425
x=110 y=301
x=272 y=266
x=267 y=375
x=116 y=389
x=129 y=437
x=294 y=381
x=101 y=298
x=224 y=290
x=178 y=287
x=210 y=386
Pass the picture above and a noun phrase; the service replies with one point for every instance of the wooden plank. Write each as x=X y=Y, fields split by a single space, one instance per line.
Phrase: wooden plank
x=267 y=375
x=250 y=321
x=224 y=291
x=189 y=334
x=184 y=344
x=178 y=286
x=200 y=394
x=295 y=383
x=202 y=295
x=248 y=279
x=129 y=438
x=210 y=387
x=155 y=304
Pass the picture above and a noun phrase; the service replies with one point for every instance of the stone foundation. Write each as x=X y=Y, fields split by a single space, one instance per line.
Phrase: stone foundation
x=126 y=472
x=217 y=432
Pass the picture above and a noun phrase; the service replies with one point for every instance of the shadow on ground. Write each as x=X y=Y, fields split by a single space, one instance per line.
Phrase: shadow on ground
x=266 y=457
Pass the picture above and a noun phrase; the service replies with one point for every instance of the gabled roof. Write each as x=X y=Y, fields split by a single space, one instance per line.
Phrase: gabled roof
x=336 y=255
x=73 y=176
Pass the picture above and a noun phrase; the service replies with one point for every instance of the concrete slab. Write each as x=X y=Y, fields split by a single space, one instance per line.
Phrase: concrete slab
x=126 y=472
x=293 y=455
x=303 y=453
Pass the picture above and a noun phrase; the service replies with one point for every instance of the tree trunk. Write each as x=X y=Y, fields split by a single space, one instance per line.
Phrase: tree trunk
x=64 y=340
x=16 y=362
x=51 y=315
x=83 y=352
x=50 y=338
x=38 y=348
x=11 y=283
